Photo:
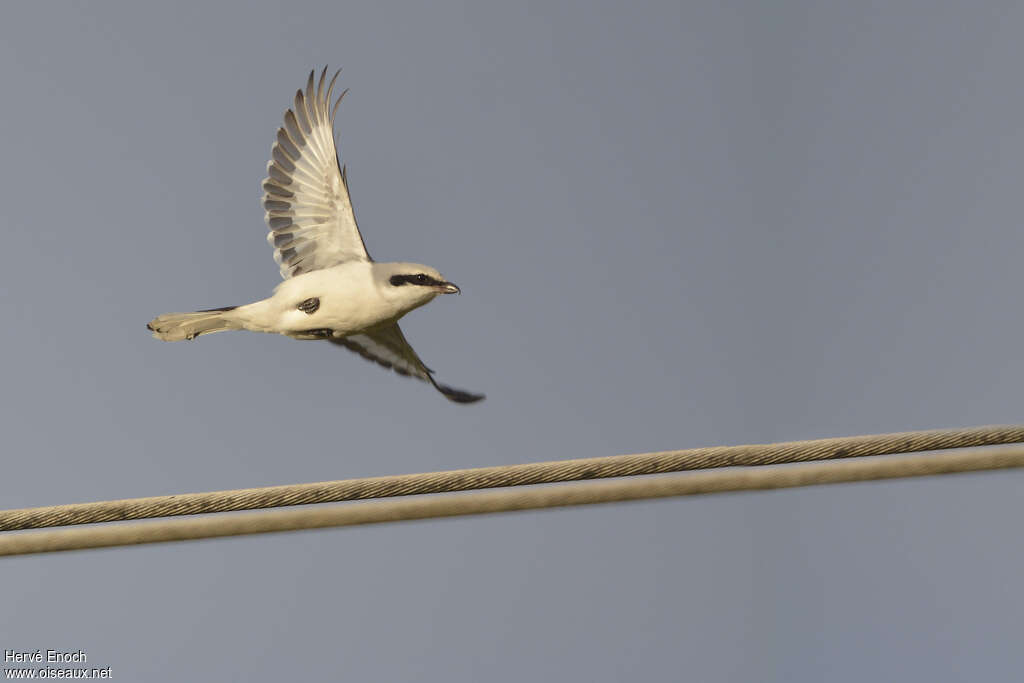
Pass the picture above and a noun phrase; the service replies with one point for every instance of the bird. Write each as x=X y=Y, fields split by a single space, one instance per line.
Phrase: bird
x=332 y=290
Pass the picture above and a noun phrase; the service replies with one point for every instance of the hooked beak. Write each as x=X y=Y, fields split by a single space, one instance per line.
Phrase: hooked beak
x=449 y=288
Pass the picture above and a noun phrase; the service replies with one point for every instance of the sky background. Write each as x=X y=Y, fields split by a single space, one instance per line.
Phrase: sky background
x=674 y=225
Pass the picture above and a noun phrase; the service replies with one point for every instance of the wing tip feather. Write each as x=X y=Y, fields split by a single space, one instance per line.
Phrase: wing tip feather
x=457 y=395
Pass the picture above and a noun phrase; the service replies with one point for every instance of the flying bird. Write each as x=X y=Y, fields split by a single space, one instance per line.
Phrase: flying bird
x=332 y=289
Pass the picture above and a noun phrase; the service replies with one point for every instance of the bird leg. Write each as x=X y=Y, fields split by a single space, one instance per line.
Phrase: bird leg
x=318 y=333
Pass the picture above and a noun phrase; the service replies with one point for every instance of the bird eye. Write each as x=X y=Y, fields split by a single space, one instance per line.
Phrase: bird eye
x=422 y=279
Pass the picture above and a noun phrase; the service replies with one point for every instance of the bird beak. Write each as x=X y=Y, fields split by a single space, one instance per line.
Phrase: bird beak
x=450 y=288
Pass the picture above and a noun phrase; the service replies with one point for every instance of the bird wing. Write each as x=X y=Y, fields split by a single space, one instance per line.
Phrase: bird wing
x=307 y=205
x=386 y=345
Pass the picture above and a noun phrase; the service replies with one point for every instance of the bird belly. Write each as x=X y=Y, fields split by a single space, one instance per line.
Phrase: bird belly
x=338 y=312
x=345 y=301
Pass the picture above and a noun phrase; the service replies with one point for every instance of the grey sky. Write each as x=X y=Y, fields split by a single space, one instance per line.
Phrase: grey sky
x=674 y=225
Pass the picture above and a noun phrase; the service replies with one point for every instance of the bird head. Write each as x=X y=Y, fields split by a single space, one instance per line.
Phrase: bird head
x=413 y=283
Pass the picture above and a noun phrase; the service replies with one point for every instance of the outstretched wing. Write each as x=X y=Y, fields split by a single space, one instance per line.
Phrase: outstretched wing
x=307 y=206
x=385 y=344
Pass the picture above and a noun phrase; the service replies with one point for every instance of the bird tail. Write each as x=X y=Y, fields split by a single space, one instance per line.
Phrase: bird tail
x=179 y=326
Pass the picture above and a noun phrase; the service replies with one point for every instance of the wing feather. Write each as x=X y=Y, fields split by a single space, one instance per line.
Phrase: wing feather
x=306 y=200
x=386 y=345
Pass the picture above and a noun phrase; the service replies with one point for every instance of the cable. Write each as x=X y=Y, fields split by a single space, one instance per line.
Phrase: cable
x=590 y=493
x=510 y=475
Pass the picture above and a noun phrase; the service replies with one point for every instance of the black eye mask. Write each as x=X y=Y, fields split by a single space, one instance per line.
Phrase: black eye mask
x=417 y=279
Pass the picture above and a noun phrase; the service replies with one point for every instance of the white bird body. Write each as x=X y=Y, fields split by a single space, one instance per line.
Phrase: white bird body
x=352 y=297
x=332 y=290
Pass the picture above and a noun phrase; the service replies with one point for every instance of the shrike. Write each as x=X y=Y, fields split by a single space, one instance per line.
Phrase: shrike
x=332 y=289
